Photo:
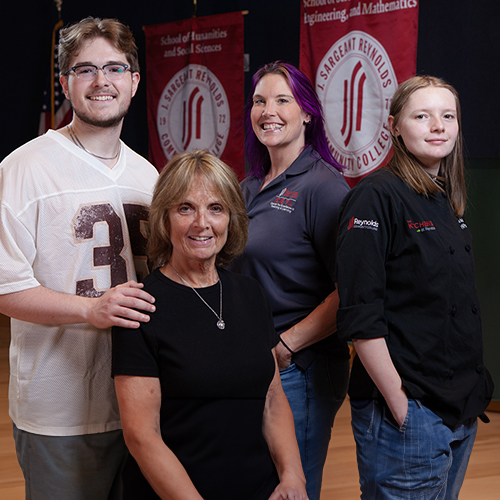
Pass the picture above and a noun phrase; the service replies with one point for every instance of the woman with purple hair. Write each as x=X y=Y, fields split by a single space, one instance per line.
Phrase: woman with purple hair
x=292 y=196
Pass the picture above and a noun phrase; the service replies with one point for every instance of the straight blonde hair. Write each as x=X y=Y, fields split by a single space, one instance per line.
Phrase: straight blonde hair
x=407 y=167
x=172 y=188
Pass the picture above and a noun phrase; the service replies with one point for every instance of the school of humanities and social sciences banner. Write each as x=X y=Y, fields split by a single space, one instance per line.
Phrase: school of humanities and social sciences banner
x=356 y=53
x=195 y=87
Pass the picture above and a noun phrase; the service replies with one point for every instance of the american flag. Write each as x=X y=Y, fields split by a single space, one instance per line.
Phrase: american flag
x=56 y=111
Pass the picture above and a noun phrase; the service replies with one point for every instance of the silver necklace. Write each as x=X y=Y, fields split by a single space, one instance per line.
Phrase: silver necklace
x=220 y=323
x=75 y=139
x=439 y=181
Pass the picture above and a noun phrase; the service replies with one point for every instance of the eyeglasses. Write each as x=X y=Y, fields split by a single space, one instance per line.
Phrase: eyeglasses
x=88 y=72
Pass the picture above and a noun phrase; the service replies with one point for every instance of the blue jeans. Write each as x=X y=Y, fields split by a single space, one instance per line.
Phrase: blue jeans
x=423 y=459
x=315 y=396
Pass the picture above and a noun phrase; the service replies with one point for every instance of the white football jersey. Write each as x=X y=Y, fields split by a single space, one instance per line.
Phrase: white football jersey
x=73 y=225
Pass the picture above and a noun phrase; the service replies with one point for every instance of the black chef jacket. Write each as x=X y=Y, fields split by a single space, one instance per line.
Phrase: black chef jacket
x=406 y=272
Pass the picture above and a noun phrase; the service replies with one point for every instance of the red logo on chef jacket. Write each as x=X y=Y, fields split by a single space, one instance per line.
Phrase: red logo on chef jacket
x=419 y=227
x=355 y=82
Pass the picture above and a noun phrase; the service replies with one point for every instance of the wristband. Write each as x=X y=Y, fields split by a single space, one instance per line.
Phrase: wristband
x=283 y=342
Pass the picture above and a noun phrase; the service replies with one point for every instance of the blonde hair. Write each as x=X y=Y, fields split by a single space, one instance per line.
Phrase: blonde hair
x=171 y=189
x=406 y=166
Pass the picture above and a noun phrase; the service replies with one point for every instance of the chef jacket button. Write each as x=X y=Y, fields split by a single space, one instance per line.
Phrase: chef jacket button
x=468 y=248
x=451 y=373
x=479 y=368
x=453 y=310
x=452 y=250
x=474 y=309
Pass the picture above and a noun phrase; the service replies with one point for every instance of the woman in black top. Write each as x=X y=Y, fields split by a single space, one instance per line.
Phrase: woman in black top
x=201 y=403
x=408 y=301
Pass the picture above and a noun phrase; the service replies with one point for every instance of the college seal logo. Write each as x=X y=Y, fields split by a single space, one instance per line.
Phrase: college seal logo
x=355 y=82
x=193 y=113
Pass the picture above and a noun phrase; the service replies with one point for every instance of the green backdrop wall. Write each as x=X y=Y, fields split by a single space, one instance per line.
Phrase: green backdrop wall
x=483 y=211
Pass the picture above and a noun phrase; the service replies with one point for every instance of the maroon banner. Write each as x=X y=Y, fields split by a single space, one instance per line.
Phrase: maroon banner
x=195 y=87
x=356 y=53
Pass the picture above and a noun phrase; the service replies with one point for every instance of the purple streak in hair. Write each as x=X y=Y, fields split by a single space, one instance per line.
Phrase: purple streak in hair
x=306 y=97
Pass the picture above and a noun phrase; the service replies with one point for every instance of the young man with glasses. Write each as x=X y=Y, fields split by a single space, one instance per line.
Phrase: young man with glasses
x=73 y=206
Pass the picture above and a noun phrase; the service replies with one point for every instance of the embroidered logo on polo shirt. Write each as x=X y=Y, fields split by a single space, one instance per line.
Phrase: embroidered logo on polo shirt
x=462 y=223
x=355 y=223
x=285 y=200
x=419 y=227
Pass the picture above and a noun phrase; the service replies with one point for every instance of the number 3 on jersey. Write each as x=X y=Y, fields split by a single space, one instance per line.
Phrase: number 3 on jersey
x=111 y=255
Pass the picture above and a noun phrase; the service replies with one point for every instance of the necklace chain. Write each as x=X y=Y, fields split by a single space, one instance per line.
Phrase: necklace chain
x=75 y=139
x=220 y=323
x=439 y=181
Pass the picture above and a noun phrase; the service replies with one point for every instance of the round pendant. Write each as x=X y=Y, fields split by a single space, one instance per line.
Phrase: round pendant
x=221 y=325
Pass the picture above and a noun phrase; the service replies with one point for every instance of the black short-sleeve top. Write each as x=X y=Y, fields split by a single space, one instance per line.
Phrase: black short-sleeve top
x=213 y=382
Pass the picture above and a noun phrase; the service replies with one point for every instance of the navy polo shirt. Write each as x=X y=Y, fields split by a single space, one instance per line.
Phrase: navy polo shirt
x=292 y=241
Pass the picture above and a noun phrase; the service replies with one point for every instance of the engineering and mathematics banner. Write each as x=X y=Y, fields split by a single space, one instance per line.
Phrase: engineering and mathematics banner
x=356 y=53
x=195 y=88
